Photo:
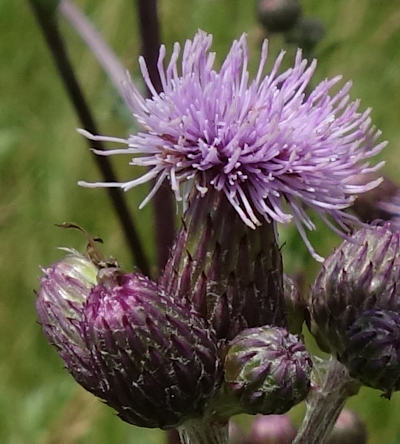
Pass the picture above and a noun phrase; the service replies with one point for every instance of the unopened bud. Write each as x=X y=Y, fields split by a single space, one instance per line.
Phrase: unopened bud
x=267 y=370
x=349 y=429
x=355 y=306
x=278 y=15
x=272 y=429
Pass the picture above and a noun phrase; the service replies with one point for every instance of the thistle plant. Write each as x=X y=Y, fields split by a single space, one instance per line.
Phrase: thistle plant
x=219 y=331
x=121 y=337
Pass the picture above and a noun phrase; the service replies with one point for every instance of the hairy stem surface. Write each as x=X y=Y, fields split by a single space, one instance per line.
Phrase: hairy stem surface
x=204 y=431
x=326 y=403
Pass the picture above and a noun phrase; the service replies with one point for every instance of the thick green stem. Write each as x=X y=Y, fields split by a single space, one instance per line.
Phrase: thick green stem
x=204 y=431
x=325 y=404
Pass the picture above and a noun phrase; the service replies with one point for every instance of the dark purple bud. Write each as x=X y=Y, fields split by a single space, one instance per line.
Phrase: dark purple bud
x=64 y=289
x=155 y=360
x=306 y=34
x=278 y=15
x=362 y=274
x=232 y=274
x=349 y=429
x=295 y=305
x=372 y=354
x=267 y=370
x=271 y=429
x=355 y=304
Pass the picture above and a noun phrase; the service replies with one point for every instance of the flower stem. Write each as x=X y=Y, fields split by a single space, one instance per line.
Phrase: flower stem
x=164 y=210
x=204 y=431
x=326 y=403
x=48 y=24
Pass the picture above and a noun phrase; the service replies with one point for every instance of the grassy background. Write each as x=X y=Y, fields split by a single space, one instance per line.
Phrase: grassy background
x=42 y=158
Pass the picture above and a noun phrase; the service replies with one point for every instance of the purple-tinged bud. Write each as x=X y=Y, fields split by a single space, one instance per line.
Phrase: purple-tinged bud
x=271 y=429
x=278 y=15
x=267 y=370
x=362 y=274
x=349 y=429
x=372 y=353
x=155 y=360
x=357 y=289
x=236 y=434
x=232 y=274
x=64 y=289
x=295 y=306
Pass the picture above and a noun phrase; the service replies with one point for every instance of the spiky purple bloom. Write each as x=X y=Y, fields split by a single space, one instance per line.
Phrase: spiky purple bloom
x=267 y=145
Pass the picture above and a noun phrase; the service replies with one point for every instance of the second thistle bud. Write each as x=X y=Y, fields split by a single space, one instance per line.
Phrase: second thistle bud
x=267 y=370
x=355 y=306
x=278 y=15
x=125 y=340
x=156 y=362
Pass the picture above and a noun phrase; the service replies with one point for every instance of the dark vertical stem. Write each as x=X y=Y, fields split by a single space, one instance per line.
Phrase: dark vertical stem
x=48 y=24
x=163 y=200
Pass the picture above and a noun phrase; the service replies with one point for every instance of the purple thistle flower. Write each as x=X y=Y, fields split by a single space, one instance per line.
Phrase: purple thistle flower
x=268 y=146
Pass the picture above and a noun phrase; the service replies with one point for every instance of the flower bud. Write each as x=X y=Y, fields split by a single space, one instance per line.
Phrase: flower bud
x=236 y=434
x=230 y=273
x=272 y=429
x=372 y=352
x=155 y=360
x=278 y=15
x=64 y=289
x=349 y=429
x=306 y=34
x=355 y=302
x=267 y=370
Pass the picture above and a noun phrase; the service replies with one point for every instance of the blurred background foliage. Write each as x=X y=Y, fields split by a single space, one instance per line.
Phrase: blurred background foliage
x=42 y=158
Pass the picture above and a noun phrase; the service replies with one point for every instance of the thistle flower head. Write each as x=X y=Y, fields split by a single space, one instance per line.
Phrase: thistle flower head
x=361 y=275
x=355 y=306
x=155 y=359
x=372 y=352
x=267 y=370
x=64 y=289
x=126 y=341
x=265 y=143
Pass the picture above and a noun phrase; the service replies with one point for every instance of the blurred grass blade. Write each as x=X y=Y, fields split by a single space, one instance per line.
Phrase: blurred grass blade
x=92 y=38
x=55 y=43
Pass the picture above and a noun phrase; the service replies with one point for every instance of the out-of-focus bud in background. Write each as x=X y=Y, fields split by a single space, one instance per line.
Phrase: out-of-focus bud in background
x=349 y=429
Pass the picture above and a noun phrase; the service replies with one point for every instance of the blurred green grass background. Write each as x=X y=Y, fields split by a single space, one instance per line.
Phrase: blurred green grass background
x=42 y=158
